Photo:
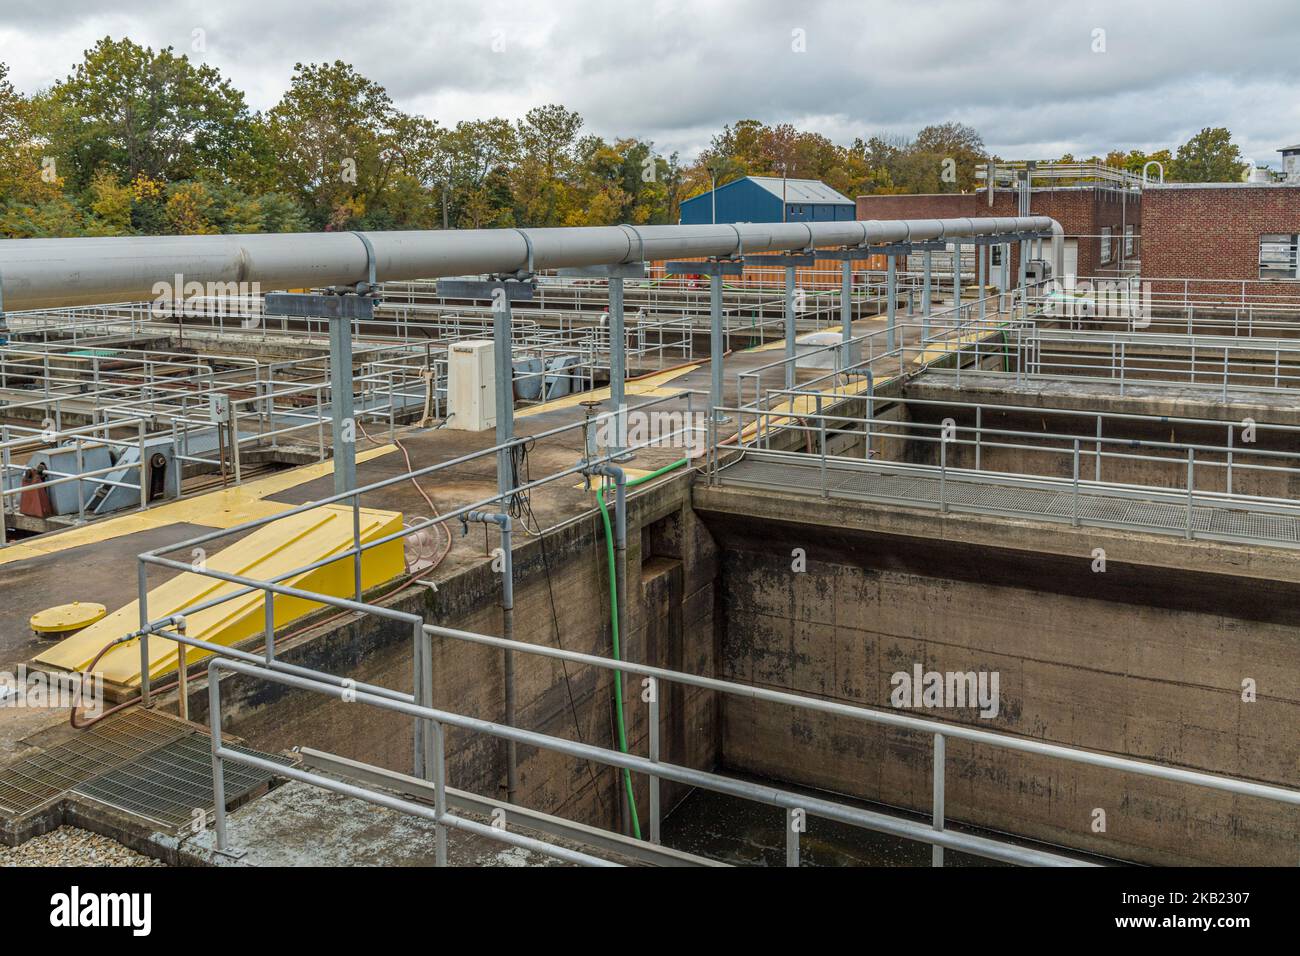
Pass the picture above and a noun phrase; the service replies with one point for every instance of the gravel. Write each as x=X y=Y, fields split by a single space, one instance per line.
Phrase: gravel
x=70 y=846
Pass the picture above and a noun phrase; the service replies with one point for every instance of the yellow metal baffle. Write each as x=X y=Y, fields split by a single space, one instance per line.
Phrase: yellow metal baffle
x=270 y=551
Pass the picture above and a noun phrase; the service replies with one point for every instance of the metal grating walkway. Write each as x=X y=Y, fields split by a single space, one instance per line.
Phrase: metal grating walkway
x=34 y=782
x=1035 y=499
x=150 y=765
x=166 y=786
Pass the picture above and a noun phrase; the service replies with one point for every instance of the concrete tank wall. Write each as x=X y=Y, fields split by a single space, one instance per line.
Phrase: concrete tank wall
x=1140 y=661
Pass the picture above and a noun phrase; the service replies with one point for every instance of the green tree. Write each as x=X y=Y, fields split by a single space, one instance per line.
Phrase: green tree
x=623 y=181
x=648 y=181
x=1209 y=157
x=549 y=135
x=134 y=111
x=190 y=209
x=110 y=202
x=954 y=151
x=334 y=132
x=473 y=166
x=280 y=212
x=50 y=219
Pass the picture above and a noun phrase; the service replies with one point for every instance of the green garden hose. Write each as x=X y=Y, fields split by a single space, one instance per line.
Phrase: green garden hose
x=613 y=628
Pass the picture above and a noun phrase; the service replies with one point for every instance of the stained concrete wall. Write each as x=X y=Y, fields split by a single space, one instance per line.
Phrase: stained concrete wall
x=1142 y=660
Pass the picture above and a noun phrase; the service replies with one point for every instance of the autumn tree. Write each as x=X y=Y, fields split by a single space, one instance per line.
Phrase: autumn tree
x=137 y=142
x=541 y=181
x=1135 y=161
x=20 y=170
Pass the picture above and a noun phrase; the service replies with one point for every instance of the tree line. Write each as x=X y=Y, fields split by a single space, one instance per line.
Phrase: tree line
x=141 y=142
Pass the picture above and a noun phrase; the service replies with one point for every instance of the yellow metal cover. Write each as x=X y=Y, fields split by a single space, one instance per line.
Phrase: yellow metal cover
x=268 y=552
x=67 y=617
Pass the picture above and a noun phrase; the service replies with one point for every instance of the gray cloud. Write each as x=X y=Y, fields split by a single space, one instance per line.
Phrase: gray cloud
x=1024 y=74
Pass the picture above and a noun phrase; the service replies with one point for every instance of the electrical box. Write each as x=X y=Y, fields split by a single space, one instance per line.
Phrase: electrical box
x=471 y=386
x=219 y=407
x=559 y=380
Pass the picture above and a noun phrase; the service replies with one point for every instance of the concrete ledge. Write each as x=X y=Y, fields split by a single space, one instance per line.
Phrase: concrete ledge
x=1163 y=551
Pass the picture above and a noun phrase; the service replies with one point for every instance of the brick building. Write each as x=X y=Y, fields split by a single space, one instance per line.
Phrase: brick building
x=1229 y=238
x=1095 y=219
x=1234 y=232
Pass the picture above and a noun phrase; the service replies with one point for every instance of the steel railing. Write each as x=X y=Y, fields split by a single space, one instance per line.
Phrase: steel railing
x=818 y=427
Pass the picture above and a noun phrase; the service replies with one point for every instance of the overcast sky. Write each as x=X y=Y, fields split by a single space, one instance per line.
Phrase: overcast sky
x=1025 y=74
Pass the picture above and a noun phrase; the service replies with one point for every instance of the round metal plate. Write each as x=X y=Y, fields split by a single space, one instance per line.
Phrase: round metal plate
x=67 y=617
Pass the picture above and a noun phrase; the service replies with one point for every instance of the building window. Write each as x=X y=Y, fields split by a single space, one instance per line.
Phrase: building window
x=1105 y=243
x=1278 y=257
x=1128 y=242
x=996 y=259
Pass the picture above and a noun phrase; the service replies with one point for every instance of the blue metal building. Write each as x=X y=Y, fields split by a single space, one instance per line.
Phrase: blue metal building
x=758 y=199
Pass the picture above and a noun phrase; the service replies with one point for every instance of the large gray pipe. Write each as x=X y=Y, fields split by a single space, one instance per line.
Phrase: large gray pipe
x=45 y=273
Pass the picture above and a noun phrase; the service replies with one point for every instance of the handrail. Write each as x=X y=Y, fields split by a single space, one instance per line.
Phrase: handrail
x=795 y=804
x=1187 y=497
x=900 y=721
x=439 y=815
